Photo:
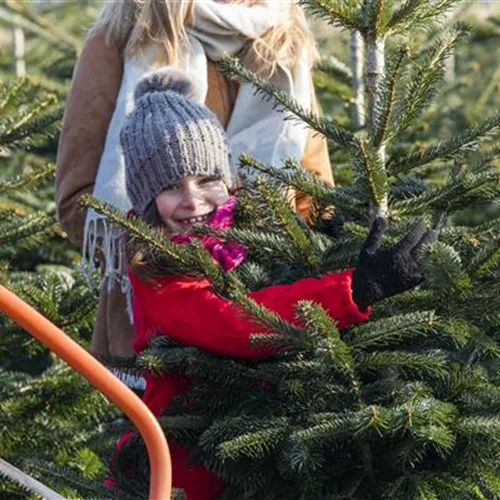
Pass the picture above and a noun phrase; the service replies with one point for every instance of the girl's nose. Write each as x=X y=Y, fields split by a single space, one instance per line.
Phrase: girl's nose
x=190 y=197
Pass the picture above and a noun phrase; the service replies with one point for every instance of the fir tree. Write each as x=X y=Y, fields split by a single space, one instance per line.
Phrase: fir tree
x=49 y=417
x=48 y=414
x=405 y=406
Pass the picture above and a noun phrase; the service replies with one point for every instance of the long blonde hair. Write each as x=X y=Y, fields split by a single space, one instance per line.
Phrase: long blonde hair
x=134 y=24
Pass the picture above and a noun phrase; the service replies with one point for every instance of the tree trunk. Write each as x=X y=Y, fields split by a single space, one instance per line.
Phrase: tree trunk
x=19 y=51
x=375 y=70
x=358 y=83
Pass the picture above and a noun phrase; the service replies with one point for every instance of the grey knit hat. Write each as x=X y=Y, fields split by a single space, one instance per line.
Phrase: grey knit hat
x=169 y=136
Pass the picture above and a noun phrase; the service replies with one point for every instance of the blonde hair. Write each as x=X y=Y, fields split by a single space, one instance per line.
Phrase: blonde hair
x=135 y=24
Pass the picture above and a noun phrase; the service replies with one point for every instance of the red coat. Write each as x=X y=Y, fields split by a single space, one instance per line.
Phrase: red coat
x=189 y=312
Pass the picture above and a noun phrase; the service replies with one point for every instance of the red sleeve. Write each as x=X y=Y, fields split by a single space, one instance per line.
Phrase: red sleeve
x=189 y=312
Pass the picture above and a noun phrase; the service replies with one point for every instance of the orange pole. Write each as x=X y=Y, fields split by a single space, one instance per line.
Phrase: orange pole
x=101 y=378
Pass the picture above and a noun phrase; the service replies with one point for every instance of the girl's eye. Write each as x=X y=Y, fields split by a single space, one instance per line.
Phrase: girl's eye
x=171 y=188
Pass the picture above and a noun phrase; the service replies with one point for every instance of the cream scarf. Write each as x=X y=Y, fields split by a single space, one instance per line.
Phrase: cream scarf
x=255 y=128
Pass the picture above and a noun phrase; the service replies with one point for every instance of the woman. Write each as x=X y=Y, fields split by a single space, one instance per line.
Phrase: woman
x=130 y=38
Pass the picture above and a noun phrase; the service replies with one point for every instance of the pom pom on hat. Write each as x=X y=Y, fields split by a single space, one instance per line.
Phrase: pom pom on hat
x=166 y=79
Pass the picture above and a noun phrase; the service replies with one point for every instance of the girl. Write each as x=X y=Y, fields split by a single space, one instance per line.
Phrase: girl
x=132 y=36
x=178 y=175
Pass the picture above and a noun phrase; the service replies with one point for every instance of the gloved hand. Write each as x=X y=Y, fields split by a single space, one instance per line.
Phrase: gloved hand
x=383 y=272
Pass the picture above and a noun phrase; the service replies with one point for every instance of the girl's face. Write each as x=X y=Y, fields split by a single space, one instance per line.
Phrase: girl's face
x=191 y=201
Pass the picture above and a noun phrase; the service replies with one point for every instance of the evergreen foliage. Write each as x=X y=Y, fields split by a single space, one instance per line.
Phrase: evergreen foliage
x=404 y=406
x=51 y=421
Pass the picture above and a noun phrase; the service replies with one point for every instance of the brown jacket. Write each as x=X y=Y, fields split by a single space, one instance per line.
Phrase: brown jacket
x=90 y=105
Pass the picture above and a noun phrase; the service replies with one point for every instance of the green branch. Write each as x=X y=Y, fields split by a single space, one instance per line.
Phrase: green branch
x=444 y=149
x=387 y=92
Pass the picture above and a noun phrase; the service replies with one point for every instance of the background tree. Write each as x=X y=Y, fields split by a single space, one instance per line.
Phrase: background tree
x=48 y=414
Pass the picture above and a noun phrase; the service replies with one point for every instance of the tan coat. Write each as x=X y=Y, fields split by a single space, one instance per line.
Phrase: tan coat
x=91 y=103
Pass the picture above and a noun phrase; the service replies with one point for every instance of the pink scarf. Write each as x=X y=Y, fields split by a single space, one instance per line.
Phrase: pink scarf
x=228 y=254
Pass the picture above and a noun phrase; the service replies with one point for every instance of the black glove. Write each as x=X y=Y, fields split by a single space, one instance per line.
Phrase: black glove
x=383 y=272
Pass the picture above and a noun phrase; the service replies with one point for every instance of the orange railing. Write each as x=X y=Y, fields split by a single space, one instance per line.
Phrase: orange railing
x=85 y=364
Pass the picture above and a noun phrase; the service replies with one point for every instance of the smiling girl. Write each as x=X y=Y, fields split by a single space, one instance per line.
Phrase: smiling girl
x=178 y=175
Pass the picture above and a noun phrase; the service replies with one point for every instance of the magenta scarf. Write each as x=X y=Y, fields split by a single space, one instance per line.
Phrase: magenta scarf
x=228 y=254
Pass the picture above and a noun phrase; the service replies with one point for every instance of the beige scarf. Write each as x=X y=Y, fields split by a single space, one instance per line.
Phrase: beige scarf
x=255 y=128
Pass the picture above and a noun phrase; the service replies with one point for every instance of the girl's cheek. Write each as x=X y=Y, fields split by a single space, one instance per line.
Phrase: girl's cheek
x=218 y=195
x=166 y=207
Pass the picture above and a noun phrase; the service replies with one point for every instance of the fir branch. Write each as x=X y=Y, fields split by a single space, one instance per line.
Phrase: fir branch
x=467 y=187
x=377 y=14
x=28 y=123
x=321 y=326
x=35 y=177
x=10 y=94
x=330 y=428
x=212 y=269
x=321 y=81
x=487 y=257
x=184 y=427
x=32 y=135
x=181 y=255
x=410 y=364
x=444 y=149
x=444 y=270
x=334 y=68
x=422 y=86
x=422 y=410
x=230 y=428
x=255 y=445
x=288 y=334
x=418 y=14
x=25 y=17
x=161 y=357
x=30 y=225
x=230 y=67
x=387 y=91
x=484 y=157
x=286 y=371
x=394 y=330
x=440 y=437
x=368 y=164
x=477 y=426
x=292 y=174
x=338 y=13
x=345 y=426
x=266 y=244
x=287 y=220
x=254 y=275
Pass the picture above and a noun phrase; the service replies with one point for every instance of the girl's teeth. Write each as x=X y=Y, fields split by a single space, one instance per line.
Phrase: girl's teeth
x=194 y=220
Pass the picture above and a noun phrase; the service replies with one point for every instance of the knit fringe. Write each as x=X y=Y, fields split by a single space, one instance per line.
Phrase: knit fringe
x=131 y=381
x=101 y=236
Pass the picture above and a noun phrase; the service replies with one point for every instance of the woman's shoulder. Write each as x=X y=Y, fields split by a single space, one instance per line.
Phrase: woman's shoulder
x=100 y=45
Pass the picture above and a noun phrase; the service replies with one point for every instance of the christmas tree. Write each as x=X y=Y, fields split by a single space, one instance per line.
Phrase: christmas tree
x=49 y=416
x=406 y=405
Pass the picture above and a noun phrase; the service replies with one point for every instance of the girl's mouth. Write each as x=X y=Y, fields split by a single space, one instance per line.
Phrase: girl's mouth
x=199 y=219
